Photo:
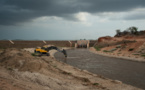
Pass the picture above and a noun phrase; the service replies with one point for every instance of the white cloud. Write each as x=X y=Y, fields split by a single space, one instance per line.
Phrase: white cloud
x=83 y=17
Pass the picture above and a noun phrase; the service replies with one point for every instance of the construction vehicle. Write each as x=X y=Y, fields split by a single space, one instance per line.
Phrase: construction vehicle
x=45 y=50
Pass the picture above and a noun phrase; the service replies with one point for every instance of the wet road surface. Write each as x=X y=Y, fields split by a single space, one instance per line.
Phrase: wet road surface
x=128 y=72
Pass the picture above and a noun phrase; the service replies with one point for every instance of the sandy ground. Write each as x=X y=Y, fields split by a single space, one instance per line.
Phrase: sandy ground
x=19 y=70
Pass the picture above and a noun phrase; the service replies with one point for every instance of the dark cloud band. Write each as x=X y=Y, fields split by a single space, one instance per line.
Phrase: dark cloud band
x=15 y=11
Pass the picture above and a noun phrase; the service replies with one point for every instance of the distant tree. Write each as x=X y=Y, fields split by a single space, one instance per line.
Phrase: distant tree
x=118 y=32
x=133 y=30
x=125 y=32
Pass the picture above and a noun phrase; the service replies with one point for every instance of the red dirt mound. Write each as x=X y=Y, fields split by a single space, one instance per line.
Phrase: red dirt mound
x=101 y=39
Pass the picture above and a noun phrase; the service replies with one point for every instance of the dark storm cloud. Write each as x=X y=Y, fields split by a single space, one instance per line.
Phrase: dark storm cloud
x=137 y=16
x=112 y=5
x=15 y=11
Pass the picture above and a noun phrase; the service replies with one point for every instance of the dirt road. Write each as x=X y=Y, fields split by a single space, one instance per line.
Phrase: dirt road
x=128 y=72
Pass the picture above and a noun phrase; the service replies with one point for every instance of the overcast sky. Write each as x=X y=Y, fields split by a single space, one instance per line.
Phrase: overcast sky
x=68 y=19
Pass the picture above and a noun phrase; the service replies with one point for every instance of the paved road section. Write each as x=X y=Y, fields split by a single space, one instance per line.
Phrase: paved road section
x=128 y=72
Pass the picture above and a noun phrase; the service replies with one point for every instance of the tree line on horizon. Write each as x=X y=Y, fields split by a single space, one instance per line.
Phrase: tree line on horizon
x=129 y=31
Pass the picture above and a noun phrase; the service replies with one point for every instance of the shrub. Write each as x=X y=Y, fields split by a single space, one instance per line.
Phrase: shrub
x=113 y=49
x=67 y=73
x=135 y=54
x=105 y=51
x=131 y=49
x=9 y=68
x=97 y=48
x=118 y=53
x=96 y=84
x=35 y=54
x=143 y=55
x=118 y=46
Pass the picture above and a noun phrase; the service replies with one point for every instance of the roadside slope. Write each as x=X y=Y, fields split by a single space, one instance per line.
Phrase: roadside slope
x=22 y=71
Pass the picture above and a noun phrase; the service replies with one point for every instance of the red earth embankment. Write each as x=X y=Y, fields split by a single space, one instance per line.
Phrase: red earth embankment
x=126 y=46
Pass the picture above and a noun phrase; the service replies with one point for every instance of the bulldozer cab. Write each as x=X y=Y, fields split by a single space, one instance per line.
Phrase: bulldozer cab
x=41 y=50
x=45 y=50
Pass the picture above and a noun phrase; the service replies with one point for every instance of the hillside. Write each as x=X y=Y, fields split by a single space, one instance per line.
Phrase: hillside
x=128 y=46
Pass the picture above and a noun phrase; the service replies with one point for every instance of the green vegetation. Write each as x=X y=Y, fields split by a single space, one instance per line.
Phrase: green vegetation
x=135 y=54
x=9 y=68
x=129 y=31
x=133 y=30
x=55 y=66
x=96 y=84
x=35 y=54
x=105 y=51
x=143 y=55
x=118 y=32
x=86 y=80
x=118 y=46
x=118 y=53
x=131 y=49
x=113 y=49
x=110 y=50
x=98 y=48
x=67 y=73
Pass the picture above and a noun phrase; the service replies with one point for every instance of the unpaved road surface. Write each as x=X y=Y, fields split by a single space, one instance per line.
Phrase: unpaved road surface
x=128 y=72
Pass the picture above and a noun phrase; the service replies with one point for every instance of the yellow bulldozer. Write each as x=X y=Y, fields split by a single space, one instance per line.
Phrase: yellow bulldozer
x=45 y=50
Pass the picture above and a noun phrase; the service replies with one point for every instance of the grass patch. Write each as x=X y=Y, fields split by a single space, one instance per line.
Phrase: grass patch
x=131 y=49
x=143 y=55
x=118 y=46
x=118 y=53
x=105 y=51
x=96 y=84
x=35 y=54
x=97 y=48
x=135 y=54
x=110 y=50
x=85 y=79
x=55 y=66
x=67 y=73
x=9 y=68
x=113 y=49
